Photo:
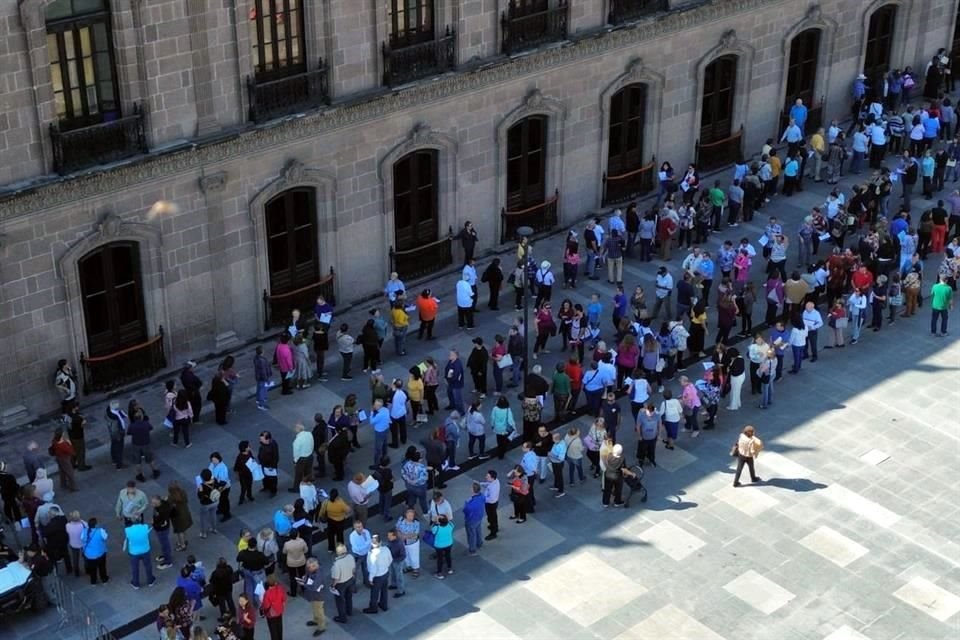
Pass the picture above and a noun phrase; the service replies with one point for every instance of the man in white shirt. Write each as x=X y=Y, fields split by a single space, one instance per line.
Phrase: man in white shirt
x=746 y=246
x=378 y=566
x=398 y=415
x=491 y=500
x=663 y=293
x=439 y=506
x=812 y=320
x=878 y=144
x=832 y=132
x=470 y=275
x=465 y=301
x=692 y=262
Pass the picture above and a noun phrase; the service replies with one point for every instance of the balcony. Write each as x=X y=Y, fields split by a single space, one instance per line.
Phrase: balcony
x=423 y=261
x=720 y=153
x=630 y=185
x=128 y=365
x=525 y=29
x=98 y=144
x=406 y=63
x=539 y=217
x=285 y=96
x=278 y=307
x=623 y=11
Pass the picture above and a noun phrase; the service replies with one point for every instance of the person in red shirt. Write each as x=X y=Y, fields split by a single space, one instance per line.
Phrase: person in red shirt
x=62 y=450
x=427 y=307
x=246 y=616
x=272 y=606
x=575 y=372
x=862 y=279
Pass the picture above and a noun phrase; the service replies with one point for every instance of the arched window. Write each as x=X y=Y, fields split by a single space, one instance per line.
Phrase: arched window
x=112 y=292
x=719 y=84
x=292 y=240
x=526 y=163
x=82 y=65
x=802 y=68
x=627 y=115
x=415 y=195
x=883 y=23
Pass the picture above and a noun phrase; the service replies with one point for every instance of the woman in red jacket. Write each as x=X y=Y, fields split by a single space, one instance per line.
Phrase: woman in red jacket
x=247 y=616
x=272 y=606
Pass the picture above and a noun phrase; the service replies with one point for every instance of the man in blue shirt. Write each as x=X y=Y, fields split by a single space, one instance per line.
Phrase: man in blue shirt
x=137 y=545
x=453 y=375
x=530 y=465
x=619 y=306
x=779 y=338
x=380 y=421
x=394 y=287
x=707 y=269
x=792 y=135
x=798 y=113
x=473 y=511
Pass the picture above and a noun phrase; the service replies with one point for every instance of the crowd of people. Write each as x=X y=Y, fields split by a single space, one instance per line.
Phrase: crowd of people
x=858 y=259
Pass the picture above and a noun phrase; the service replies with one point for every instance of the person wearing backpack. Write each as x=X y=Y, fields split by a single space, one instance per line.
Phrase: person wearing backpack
x=208 y=494
x=384 y=476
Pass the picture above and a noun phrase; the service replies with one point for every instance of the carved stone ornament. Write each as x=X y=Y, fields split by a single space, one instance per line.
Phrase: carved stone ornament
x=729 y=39
x=534 y=99
x=420 y=133
x=214 y=183
x=48 y=193
x=635 y=68
x=109 y=226
x=813 y=13
x=293 y=172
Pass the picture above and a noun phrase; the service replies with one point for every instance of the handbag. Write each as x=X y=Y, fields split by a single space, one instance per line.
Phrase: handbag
x=661 y=364
x=505 y=361
x=168 y=421
x=428 y=538
x=256 y=469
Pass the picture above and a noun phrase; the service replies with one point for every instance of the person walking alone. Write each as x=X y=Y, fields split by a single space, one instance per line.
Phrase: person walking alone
x=746 y=450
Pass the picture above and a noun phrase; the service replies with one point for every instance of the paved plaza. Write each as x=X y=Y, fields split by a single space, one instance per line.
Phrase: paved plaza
x=851 y=535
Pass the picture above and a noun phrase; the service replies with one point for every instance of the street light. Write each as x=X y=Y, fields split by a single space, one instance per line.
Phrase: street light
x=526 y=232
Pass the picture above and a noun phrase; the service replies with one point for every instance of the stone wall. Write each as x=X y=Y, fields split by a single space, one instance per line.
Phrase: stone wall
x=205 y=265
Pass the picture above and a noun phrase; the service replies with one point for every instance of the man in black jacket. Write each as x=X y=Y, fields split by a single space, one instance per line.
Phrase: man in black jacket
x=192 y=383
x=320 y=435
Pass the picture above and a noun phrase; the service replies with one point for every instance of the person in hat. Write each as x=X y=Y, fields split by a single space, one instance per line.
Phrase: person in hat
x=544 y=279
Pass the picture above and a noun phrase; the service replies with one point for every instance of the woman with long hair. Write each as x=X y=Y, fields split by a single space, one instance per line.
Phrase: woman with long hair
x=180 y=513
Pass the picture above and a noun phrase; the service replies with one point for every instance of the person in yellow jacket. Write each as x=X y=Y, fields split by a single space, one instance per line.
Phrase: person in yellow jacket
x=818 y=143
x=401 y=322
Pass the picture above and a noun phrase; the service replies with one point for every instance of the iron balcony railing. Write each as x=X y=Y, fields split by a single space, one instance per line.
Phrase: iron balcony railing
x=96 y=144
x=406 y=63
x=524 y=29
x=423 y=261
x=278 y=308
x=103 y=373
x=629 y=185
x=285 y=96
x=622 y=11
x=539 y=217
x=720 y=153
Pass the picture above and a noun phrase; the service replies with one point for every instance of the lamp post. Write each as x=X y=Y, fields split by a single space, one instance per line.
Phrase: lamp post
x=525 y=232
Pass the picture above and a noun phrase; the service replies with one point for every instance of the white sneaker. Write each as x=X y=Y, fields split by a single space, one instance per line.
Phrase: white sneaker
x=695 y=434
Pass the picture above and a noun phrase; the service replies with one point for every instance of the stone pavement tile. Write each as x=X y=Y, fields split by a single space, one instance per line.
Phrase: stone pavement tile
x=472 y=625
x=424 y=595
x=875 y=457
x=834 y=546
x=670 y=622
x=672 y=540
x=746 y=499
x=676 y=459
x=846 y=633
x=859 y=505
x=759 y=592
x=537 y=538
x=592 y=575
x=929 y=598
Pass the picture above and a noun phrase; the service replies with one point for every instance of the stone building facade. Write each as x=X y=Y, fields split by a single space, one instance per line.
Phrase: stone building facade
x=171 y=191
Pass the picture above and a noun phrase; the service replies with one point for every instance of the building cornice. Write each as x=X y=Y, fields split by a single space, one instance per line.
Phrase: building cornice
x=60 y=191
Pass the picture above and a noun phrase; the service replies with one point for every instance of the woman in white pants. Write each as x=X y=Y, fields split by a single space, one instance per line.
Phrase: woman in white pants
x=408 y=529
x=736 y=370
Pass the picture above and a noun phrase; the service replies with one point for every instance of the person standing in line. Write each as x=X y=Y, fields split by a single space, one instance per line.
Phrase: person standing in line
x=379 y=560
x=477 y=363
x=613 y=477
x=443 y=543
x=736 y=372
x=380 y=421
x=476 y=426
x=360 y=543
x=408 y=530
x=473 y=511
x=63 y=452
x=766 y=373
x=137 y=546
x=856 y=312
x=453 y=375
x=131 y=503
x=557 y=456
x=182 y=414
x=273 y=605
x=295 y=551
x=343 y=583
x=94 y=541
x=192 y=384
x=77 y=433
x=493 y=276
x=139 y=431
x=812 y=320
x=468 y=240
x=491 y=500
x=465 y=302
x=574 y=457
x=647 y=428
x=398 y=555
x=798 y=342
x=941 y=302
x=117 y=424
x=346 y=345
x=398 y=414
x=302 y=455
x=746 y=450
x=162 y=512
x=222 y=475
x=262 y=373
x=242 y=467
x=247 y=616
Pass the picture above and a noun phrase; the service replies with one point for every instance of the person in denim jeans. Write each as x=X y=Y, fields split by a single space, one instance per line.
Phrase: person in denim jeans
x=137 y=545
x=766 y=373
x=856 y=311
x=574 y=455
x=399 y=553
x=473 y=512
x=262 y=373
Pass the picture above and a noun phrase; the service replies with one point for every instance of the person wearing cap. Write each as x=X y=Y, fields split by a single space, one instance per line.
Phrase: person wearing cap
x=117 y=424
x=544 y=279
x=192 y=383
